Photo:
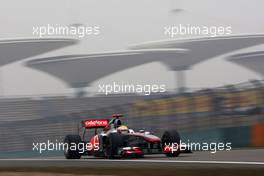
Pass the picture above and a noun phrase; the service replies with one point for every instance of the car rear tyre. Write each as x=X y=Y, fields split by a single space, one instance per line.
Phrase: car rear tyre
x=71 y=151
x=171 y=137
x=114 y=142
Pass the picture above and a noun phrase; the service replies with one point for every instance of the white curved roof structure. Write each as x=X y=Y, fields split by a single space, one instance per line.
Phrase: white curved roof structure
x=17 y=49
x=80 y=70
x=205 y=48
x=253 y=61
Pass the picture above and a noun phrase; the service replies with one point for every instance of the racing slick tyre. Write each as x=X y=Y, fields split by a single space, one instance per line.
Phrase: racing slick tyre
x=171 y=137
x=71 y=151
x=114 y=141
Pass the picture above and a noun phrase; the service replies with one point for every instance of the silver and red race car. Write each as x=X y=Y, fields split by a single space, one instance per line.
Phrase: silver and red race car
x=112 y=139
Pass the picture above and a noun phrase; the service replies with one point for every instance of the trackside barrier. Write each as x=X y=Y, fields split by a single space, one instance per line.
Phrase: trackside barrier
x=257 y=138
x=231 y=113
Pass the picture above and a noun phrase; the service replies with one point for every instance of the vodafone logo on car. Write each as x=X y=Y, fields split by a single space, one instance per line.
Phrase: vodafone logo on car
x=95 y=123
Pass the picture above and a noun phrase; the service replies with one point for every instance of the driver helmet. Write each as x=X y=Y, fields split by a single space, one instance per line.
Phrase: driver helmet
x=122 y=129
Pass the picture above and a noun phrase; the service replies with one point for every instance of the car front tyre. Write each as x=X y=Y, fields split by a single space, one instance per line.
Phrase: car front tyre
x=171 y=137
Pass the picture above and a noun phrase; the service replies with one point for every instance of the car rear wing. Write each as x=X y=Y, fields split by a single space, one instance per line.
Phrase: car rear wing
x=101 y=123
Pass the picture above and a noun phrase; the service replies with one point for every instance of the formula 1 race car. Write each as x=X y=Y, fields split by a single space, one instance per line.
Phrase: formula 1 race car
x=115 y=140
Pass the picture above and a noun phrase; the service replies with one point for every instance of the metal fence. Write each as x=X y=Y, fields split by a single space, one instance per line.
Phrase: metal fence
x=239 y=105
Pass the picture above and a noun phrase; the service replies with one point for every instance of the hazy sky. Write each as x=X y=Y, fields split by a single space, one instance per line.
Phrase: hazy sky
x=122 y=23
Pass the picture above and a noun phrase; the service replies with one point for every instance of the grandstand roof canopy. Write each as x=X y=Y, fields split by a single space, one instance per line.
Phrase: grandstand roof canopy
x=250 y=60
x=206 y=47
x=17 y=49
x=80 y=70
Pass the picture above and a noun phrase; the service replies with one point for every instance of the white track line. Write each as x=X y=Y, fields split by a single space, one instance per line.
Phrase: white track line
x=144 y=161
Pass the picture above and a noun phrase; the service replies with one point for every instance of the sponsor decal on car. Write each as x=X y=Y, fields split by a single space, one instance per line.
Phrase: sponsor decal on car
x=95 y=123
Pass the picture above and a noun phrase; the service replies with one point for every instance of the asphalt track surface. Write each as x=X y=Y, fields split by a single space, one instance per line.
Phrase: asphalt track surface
x=234 y=158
